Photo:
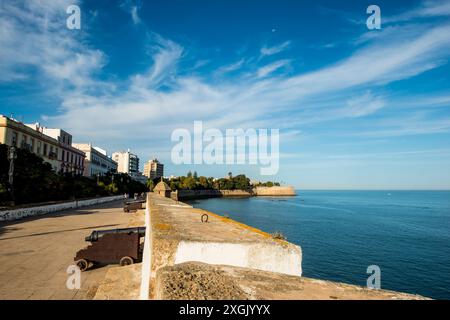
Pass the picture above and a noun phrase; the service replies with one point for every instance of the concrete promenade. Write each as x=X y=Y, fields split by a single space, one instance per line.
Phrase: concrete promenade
x=35 y=252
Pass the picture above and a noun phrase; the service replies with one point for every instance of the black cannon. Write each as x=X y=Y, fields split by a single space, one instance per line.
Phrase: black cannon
x=97 y=234
x=132 y=205
x=111 y=246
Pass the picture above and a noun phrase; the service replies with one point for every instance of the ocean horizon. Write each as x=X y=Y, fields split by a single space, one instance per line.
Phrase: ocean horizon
x=343 y=232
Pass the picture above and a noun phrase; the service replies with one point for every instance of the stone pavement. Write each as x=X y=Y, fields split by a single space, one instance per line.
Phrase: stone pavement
x=35 y=252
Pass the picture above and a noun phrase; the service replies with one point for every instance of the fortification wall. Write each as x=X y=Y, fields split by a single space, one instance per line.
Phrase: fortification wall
x=203 y=194
x=258 y=191
x=274 y=191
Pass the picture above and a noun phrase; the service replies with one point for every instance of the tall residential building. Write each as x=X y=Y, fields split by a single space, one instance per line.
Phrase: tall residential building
x=127 y=162
x=97 y=161
x=53 y=145
x=153 y=169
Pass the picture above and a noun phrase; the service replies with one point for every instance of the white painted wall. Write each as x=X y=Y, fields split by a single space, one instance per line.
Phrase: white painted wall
x=146 y=257
x=10 y=215
x=261 y=256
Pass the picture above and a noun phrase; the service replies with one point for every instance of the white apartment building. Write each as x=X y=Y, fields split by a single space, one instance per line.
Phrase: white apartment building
x=97 y=161
x=153 y=169
x=127 y=162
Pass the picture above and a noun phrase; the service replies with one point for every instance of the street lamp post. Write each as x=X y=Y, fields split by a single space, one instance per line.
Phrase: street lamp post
x=12 y=155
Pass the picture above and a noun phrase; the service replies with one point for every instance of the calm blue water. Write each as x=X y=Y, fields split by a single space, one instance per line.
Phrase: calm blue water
x=405 y=233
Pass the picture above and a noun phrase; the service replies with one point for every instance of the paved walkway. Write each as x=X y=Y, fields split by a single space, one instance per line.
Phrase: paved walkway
x=35 y=252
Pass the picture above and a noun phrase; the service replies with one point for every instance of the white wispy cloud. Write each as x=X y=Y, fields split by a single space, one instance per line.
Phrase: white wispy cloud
x=132 y=7
x=142 y=108
x=231 y=67
x=268 y=69
x=268 y=51
x=34 y=36
x=437 y=8
x=166 y=55
x=142 y=114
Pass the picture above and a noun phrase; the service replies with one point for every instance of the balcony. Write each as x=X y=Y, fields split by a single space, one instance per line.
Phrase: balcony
x=53 y=155
x=26 y=146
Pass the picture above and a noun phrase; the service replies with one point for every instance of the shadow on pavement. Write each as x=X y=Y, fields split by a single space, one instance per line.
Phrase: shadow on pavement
x=59 y=231
x=80 y=211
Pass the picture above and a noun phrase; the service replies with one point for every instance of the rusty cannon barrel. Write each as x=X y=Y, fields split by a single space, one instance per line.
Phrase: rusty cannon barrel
x=97 y=234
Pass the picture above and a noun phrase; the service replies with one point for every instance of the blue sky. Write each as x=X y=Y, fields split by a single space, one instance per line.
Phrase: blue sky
x=356 y=108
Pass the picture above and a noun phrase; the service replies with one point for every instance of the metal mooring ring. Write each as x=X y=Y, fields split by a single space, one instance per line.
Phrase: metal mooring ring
x=205 y=215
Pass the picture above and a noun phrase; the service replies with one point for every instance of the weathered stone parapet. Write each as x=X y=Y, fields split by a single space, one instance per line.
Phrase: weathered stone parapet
x=179 y=235
x=200 y=281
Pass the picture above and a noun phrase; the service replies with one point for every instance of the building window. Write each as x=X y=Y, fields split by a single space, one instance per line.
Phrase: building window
x=63 y=155
x=32 y=144
x=14 y=139
x=38 y=149
x=24 y=141
x=45 y=149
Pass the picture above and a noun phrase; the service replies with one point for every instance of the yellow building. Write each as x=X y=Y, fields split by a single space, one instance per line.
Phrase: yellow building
x=153 y=169
x=53 y=145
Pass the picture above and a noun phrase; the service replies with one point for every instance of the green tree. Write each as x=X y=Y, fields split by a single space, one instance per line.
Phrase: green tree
x=241 y=182
x=204 y=183
x=35 y=181
x=150 y=184
x=189 y=183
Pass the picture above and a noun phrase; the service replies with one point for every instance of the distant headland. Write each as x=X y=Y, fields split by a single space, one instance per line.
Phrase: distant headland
x=192 y=186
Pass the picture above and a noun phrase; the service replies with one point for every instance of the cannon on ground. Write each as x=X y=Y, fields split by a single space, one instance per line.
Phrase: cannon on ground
x=132 y=205
x=111 y=246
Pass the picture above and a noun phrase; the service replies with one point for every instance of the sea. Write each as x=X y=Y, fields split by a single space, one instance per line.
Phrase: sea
x=341 y=233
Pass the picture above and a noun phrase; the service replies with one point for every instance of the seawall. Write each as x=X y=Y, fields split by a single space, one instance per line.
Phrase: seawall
x=258 y=191
x=195 y=254
x=274 y=191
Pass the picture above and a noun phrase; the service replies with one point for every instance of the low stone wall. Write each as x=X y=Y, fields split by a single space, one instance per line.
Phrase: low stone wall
x=203 y=194
x=15 y=214
x=274 y=191
x=258 y=191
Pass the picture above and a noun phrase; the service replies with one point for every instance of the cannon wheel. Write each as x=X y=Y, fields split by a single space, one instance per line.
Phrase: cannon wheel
x=126 y=261
x=83 y=264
